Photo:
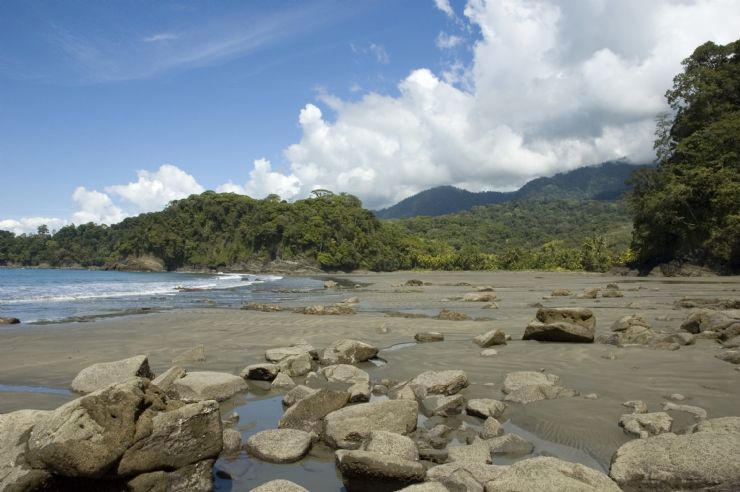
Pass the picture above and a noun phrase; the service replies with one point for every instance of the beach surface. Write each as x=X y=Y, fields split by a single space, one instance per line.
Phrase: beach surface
x=37 y=363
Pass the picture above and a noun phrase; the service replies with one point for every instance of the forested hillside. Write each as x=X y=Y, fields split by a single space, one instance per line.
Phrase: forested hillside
x=606 y=181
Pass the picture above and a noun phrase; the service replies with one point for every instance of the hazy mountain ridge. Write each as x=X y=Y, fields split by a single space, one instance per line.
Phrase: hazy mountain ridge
x=605 y=181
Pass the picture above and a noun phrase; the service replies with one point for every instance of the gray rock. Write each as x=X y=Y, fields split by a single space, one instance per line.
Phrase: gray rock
x=429 y=336
x=510 y=444
x=197 y=477
x=296 y=365
x=731 y=356
x=369 y=471
x=348 y=352
x=545 y=473
x=560 y=293
x=282 y=382
x=9 y=320
x=489 y=352
x=392 y=444
x=277 y=354
x=15 y=473
x=612 y=293
x=464 y=475
x=178 y=438
x=165 y=380
x=669 y=462
x=637 y=406
x=520 y=379
x=589 y=293
x=261 y=372
x=578 y=316
x=558 y=332
x=629 y=321
x=402 y=392
x=349 y=378
x=306 y=414
x=195 y=354
x=298 y=393
x=87 y=436
x=444 y=406
x=232 y=441
x=491 y=428
x=279 y=445
x=103 y=374
x=532 y=393
x=479 y=297
x=330 y=284
x=426 y=487
x=477 y=452
x=348 y=427
x=646 y=424
x=698 y=412
x=279 y=486
x=490 y=338
x=725 y=323
x=208 y=385
x=441 y=382
x=485 y=407
x=722 y=425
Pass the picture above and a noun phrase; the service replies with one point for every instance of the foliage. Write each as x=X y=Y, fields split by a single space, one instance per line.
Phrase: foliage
x=688 y=208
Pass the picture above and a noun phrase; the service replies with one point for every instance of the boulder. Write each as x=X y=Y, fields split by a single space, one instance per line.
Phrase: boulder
x=260 y=372
x=9 y=320
x=578 y=316
x=485 y=407
x=277 y=354
x=516 y=380
x=560 y=293
x=282 y=382
x=449 y=315
x=165 y=380
x=208 y=385
x=612 y=293
x=546 y=473
x=296 y=365
x=279 y=445
x=232 y=441
x=490 y=338
x=698 y=412
x=698 y=461
x=479 y=297
x=646 y=424
x=392 y=444
x=402 y=392
x=197 y=477
x=637 y=406
x=558 y=332
x=722 y=425
x=279 y=486
x=491 y=428
x=413 y=283
x=447 y=382
x=330 y=284
x=725 y=323
x=349 y=378
x=297 y=393
x=629 y=321
x=177 y=438
x=429 y=336
x=370 y=471
x=591 y=293
x=87 y=436
x=306 y=414
x=441 y=405
x=529 y=394
x=348 y=427
x=348 y=352
x=464 y=475
x=426 y=487
x=510 y=444
x=103 y=374
x=15 y=473
x=476 y=452
x=732 y=356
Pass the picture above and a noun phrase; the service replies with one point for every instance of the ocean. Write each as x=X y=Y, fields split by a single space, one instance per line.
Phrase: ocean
x=38 y=295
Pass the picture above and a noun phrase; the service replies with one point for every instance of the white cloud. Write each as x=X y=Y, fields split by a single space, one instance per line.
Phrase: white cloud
x=161 y=37
x=552 y=86
x=264 y=181
x=153 y=190
x=94 y=206
x=380 y=54
x=447 y=41
x=444 y=6
x=29 y=225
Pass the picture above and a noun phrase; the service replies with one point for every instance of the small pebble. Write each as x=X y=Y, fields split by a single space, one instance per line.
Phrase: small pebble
x=489 y=352
x=676 y=397
x=591 y=396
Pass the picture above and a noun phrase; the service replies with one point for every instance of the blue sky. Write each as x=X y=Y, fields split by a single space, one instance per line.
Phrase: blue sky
x=108 y=109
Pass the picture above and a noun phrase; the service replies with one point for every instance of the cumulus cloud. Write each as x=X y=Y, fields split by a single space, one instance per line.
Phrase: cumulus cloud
x=94 y=206
x=444 y=6
x=29 y=225
x=447 y=41
x=552 y=86
x=264 y=181
x=153 y=190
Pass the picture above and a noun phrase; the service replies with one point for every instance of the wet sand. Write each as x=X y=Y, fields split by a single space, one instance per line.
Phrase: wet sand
x=50 y=356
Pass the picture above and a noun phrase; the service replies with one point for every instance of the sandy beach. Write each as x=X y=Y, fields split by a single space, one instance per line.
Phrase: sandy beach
x=50 y=356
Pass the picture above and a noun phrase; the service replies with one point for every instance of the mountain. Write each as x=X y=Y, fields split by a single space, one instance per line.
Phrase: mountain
x=605 y=181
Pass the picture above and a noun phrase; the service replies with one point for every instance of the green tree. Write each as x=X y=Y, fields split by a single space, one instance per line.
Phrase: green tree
x=688 y=207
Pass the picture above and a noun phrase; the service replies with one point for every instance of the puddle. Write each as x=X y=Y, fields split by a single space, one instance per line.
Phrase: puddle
x=14 y=388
